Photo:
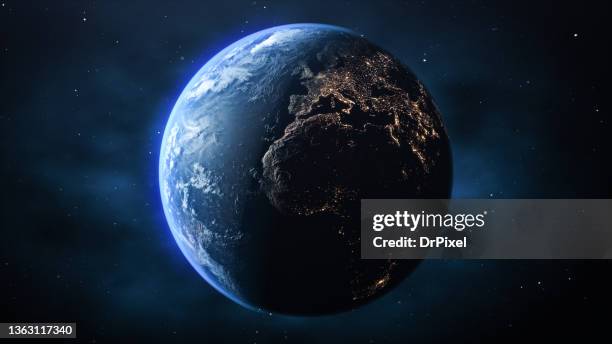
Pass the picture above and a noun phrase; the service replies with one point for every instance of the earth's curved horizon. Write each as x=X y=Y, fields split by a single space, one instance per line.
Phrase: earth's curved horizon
x=269 y=150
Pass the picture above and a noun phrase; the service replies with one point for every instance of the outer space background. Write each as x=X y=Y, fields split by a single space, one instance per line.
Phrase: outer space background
x=86 y=88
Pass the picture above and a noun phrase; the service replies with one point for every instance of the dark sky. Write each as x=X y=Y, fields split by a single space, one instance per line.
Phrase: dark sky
x=86 y=88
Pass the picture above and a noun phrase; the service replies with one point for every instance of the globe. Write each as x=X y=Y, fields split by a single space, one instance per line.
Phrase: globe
x=269 y=150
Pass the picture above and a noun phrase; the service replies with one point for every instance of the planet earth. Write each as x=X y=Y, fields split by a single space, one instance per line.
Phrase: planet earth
x=269 y=150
